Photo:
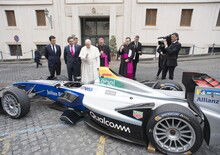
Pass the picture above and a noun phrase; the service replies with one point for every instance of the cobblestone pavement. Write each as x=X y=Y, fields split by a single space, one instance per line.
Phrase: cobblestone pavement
x=41 y=131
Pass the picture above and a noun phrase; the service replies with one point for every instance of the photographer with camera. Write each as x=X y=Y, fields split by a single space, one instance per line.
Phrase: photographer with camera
x=171 y=55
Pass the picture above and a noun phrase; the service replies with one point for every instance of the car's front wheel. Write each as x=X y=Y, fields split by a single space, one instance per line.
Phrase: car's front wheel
x=174 y=129
x=15 y=102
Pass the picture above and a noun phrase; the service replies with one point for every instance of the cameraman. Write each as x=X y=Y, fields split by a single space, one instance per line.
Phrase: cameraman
x=172 y=52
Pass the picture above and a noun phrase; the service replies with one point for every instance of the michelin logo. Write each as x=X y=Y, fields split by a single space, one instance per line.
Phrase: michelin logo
x=207 y=100
x=109 y=123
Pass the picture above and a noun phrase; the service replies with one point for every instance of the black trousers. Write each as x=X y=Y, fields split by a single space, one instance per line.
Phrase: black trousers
x=159 y=71
x=73 y=72
x=171 y=72
x=55 y=69
x=134 y=69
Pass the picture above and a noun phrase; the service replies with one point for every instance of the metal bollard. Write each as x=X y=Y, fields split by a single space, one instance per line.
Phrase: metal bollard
x=193 y=50
x=213 y=52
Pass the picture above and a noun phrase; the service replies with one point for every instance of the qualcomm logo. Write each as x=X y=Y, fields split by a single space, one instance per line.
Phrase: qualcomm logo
x=109 y=123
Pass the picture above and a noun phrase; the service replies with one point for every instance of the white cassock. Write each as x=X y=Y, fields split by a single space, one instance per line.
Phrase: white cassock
x=90 y=63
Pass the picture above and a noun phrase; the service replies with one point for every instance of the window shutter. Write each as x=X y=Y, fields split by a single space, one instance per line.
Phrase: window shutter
x=186 y=17
x=151 y=17
x=10 y=17
x=41 y=20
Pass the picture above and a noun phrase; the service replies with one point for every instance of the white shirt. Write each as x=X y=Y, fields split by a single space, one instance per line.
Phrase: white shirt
x=55 y=49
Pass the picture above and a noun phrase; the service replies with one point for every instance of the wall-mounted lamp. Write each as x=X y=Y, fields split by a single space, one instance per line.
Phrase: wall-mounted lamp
x=49 y=17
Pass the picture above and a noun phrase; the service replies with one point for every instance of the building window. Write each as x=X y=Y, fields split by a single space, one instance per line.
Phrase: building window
x=218 y=20
x=10 y=14
x=15 y=50
x=149 y=49
x=151 y=17
x=41 y=48
x=41 y=20
x=186 y=17
x=184 y=51
x=214 y=50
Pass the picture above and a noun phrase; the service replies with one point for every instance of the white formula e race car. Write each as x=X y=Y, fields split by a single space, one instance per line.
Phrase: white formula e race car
x=161 y=113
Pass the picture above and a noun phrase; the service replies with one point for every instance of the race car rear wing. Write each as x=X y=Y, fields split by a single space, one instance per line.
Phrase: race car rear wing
x=192 y=79
x=195 y=84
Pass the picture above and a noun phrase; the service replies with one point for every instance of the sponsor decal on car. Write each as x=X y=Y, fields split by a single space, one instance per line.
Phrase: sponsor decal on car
x=111 y=82
x=109 y=123
x=53 y=93
x=157 y=118
x=207 y=95
x=208 y=92
x=207 y=100
x=137 y=114
x=110 y=92
x=87 y=88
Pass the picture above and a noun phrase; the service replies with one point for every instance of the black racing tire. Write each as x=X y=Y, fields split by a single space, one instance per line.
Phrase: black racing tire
x=168 y=85
x=167 y=113
x=18 y=97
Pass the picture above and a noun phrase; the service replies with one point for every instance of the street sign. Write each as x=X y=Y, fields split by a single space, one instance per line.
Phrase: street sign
x=16 y=38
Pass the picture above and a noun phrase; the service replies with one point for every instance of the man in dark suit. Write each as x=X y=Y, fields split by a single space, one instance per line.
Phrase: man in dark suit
x=72 y=59
x=52 y=54
x=171 y=55
x=138 y=51
x=104 y=50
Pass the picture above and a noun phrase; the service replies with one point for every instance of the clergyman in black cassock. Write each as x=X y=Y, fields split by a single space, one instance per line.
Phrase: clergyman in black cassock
x=105 y=51
x=52 y=54
x=72 y=60
x=127 y=53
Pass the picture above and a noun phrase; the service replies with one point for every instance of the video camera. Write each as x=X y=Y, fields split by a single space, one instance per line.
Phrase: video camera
x=161 y=41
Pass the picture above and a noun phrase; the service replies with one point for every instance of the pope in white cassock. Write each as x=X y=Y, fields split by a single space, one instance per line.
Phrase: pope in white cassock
x=89 y=55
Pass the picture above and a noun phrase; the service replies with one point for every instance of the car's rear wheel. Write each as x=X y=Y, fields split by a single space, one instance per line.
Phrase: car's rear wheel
x=15 y=102
x=168 y=85
x=174 y=129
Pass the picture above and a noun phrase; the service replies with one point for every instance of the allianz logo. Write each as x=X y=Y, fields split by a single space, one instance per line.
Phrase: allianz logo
x=207 y=100
x=108 y=123
x=53 y=93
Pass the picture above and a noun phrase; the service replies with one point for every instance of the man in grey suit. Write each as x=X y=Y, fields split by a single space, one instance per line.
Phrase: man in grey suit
x=72 y=59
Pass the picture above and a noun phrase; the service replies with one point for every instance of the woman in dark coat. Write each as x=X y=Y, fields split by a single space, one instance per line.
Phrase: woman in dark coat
x=37 y=57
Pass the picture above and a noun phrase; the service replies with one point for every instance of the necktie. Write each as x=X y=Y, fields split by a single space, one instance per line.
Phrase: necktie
x=72 y=51
x=54 y=49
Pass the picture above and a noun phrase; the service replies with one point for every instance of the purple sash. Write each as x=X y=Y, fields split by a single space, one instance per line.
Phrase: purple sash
x=103 y=55
x=129 y=66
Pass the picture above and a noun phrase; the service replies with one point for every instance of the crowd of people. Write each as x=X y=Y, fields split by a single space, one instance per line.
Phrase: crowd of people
x=83 y=62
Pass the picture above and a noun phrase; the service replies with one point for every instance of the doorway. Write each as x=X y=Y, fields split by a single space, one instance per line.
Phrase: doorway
x=94 y=28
